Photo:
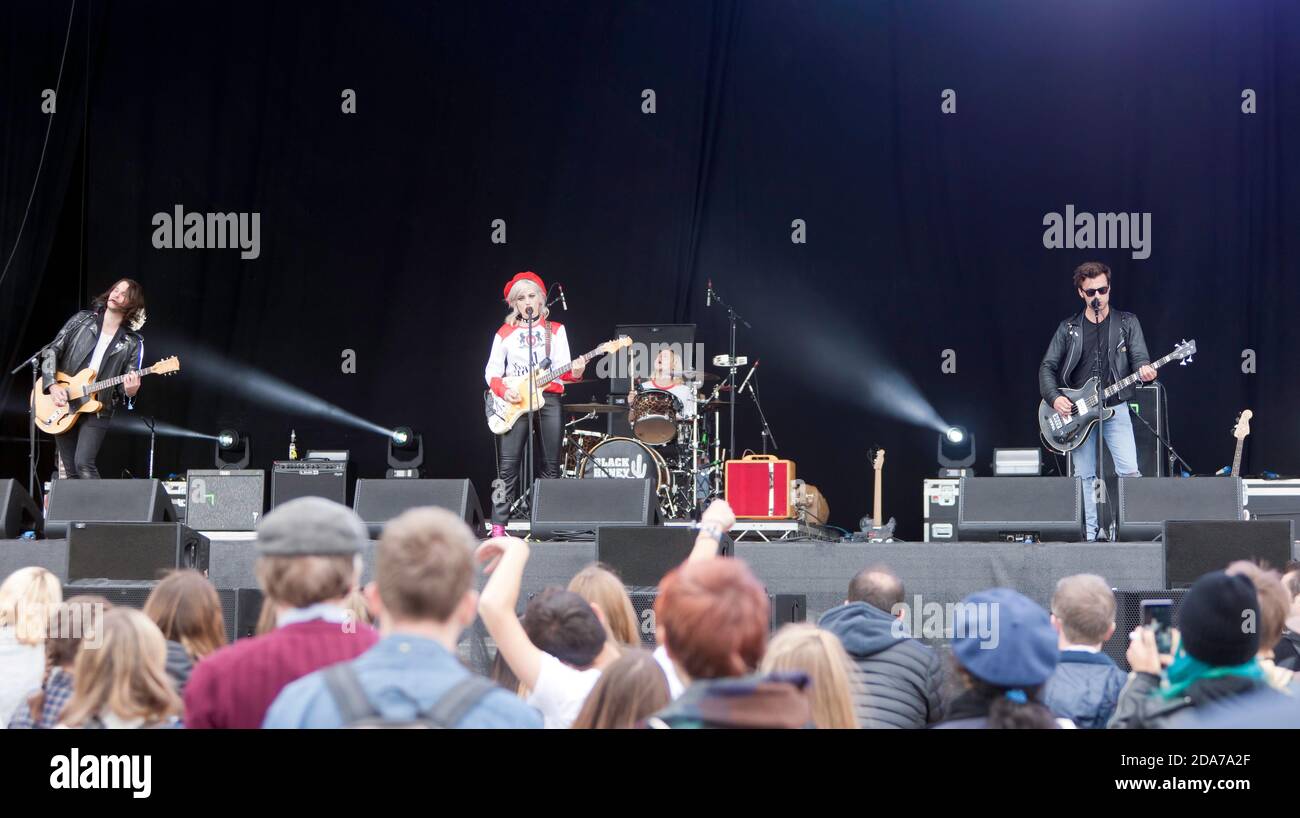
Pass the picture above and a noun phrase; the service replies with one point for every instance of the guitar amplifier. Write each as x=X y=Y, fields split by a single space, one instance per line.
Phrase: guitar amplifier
x=783 y=609
x=758 y=487
x=939 y=509
x=291 y=479
x=225 y=499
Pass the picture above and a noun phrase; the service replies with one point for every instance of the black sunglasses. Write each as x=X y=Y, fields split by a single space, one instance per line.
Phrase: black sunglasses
x=1097 y=291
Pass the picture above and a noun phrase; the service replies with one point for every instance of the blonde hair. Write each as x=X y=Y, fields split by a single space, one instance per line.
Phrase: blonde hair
x=1085 y=606
x=424 y=564
x=675 y=365
x=126 y=675
x=27 y=598
x=600 y=586
x=513 y=317
x=819 y=654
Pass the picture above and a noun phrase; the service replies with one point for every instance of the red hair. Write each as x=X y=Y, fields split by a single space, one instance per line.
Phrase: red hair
x=715 y=614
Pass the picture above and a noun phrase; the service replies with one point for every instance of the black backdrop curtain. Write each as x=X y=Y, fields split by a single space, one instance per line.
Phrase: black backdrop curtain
x=924 y=229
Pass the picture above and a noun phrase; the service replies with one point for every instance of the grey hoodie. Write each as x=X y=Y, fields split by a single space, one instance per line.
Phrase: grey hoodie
x=899 y=678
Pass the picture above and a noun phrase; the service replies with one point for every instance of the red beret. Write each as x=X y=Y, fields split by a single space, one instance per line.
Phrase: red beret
x=527 y=275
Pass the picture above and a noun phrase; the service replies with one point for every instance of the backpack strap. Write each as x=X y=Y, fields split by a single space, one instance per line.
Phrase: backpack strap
x=452 y=706
x=345 y=688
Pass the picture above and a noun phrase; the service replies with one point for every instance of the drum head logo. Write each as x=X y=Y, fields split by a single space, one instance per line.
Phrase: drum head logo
x=634 y=467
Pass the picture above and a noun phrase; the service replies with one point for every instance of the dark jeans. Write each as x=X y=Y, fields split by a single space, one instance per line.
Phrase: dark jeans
x=511 y=452
x=79 y=446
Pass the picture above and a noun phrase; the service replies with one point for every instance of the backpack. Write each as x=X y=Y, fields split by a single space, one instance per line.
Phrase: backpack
x=358 y=712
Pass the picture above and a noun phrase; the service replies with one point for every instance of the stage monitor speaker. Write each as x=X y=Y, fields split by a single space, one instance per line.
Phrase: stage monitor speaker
x=1196 y=548
x=18 y=511
x=641 y=555
x=224 y=499
x=106 y=501
x=1147 y=403
x=1145 y=503
x=563 y=509
x=1043 y=509
x=782 y=610
x=1128 y=615
x=133 y=550
x=305 y=479
x=378 y=501
x=240 y=607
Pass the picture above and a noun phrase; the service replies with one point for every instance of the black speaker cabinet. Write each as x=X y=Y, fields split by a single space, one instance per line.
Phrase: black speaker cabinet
x=1044 y=509
x=1147 y=403
x=225 y=499
x=378 y=501
x=577 y=508
x=142 y=551
x=783 y=609
x=1128 y=615
x=641 y=555
x=240 y=607
x=1145 y=503
x=106 y=501
x=303 y=478
x=1196 y=548
x=18 y=511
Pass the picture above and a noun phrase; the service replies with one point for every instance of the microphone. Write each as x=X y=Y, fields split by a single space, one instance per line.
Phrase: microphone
x=1096 y=304
x=708 y=294
x=748 y=375
x=563 y=303
x=528 y=313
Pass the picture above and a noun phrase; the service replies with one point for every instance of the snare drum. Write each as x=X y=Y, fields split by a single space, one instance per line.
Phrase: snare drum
x=653 y=416
x=623 y=457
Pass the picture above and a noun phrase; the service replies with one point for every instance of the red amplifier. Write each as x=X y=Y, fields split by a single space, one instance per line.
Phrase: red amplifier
x=758 y=487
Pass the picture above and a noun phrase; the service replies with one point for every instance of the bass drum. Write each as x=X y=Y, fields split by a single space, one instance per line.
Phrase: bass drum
x=623 y=457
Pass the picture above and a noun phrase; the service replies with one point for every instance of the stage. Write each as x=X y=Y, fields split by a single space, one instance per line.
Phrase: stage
x=937 y=572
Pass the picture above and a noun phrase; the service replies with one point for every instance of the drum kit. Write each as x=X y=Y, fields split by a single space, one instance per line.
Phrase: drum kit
x=676 y=442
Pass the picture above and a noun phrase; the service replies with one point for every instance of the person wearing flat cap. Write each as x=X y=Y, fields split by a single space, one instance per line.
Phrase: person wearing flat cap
x=308 y=562
x=527 y=339
x=1213 y=662
x=1006 y=650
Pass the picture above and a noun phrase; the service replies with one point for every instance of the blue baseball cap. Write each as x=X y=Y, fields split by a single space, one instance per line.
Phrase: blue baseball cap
x=1005 y=639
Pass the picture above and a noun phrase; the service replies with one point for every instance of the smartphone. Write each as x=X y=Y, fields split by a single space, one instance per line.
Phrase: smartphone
x=1158 y=615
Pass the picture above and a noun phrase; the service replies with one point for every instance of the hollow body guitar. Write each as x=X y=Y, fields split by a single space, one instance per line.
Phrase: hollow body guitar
x=83 y=392
x=502 y=414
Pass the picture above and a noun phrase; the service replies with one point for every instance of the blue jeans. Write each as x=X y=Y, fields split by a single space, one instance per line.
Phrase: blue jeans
x=1123 y=450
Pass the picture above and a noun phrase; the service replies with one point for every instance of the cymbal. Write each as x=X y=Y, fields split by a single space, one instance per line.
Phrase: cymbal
x=713 y=405
x=697 y=375
x=603 y=408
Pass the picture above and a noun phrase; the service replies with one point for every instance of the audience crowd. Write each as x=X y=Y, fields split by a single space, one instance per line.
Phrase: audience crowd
x=332 y=653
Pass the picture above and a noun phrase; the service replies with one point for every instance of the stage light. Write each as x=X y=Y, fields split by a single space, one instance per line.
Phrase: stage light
x=405 y=453
x=231 y=450
x=956 y=451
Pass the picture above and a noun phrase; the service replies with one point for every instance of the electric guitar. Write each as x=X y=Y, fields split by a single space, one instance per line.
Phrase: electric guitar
x=1240 y=431
x=875 y=532
x=1064 y=434
x=82 y=395
x=501 y=414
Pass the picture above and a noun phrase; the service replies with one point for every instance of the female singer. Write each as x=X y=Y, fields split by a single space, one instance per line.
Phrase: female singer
x=514 y=351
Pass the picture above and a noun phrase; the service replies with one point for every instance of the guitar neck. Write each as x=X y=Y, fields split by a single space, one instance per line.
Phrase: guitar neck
x=1121 y=385
x=105 y=384
x=1236 y=458
x=560 y=372
x=877 y=509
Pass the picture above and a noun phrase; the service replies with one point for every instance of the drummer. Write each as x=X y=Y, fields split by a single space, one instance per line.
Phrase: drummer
x=666 y=375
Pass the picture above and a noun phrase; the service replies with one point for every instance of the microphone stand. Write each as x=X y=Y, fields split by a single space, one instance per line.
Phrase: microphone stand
x=767 y=430
x=732 y=317
x=1099 y=495
x=35 y=363
x=1174 y=457
x=150 y=422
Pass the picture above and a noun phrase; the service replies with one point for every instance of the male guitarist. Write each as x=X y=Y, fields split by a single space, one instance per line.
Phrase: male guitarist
x=514 y=351
x=103 y=338
x=1110 y=346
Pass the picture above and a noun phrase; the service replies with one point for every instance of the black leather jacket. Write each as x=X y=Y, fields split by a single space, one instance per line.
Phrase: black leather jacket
x=1128 y=353
x=72 y=347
